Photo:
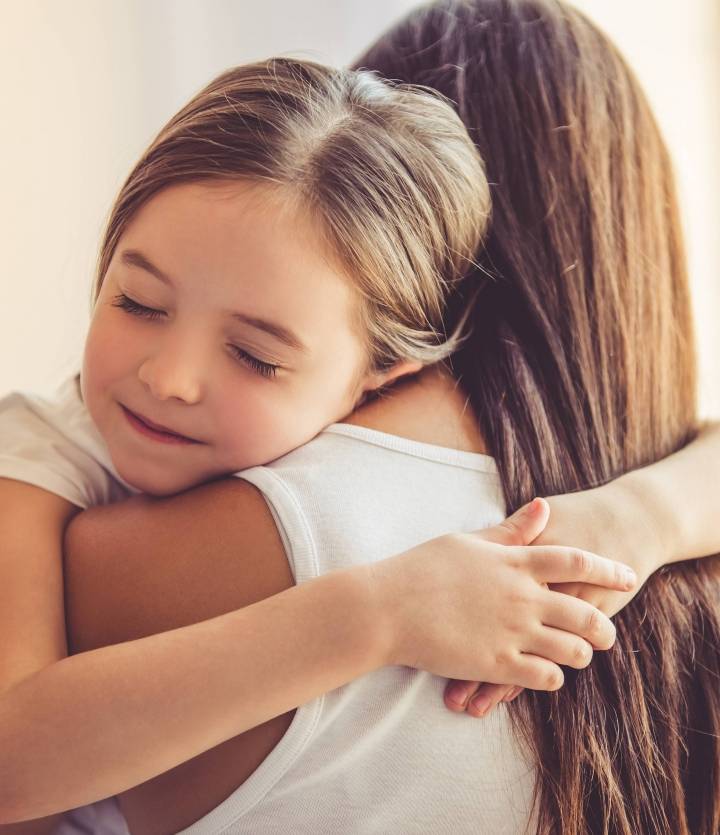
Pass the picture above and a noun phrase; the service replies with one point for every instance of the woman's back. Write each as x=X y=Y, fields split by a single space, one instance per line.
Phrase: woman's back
x=381 y=754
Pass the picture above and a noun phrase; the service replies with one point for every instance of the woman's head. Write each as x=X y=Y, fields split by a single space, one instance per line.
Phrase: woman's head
x=584 y=250
x=580 y=365
x=336 y=206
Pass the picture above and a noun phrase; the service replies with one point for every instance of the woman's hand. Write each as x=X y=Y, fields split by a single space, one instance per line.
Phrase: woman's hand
x=594 y=519
x=467 y=602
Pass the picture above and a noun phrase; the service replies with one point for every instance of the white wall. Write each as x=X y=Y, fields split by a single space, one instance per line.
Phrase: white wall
x=84 y=85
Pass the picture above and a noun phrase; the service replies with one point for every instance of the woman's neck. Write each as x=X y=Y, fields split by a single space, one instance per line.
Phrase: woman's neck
x=429 y=407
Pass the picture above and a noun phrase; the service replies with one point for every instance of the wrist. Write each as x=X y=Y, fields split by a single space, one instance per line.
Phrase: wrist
x=647 y=518
x=391 y=609
x=370 y=606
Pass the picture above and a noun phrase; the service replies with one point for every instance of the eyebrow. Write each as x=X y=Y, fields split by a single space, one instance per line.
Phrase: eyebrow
x=135 y=258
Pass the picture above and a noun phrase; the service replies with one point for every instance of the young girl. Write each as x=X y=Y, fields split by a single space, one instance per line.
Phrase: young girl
x=277 y=255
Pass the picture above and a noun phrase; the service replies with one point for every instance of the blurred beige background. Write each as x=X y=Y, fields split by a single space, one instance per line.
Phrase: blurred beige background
x=85 y=84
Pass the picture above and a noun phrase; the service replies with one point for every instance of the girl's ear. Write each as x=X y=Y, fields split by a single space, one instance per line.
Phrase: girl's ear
x=379 y=379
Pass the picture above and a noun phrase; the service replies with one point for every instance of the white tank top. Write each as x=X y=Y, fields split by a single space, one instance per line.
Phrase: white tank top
x=381 y=754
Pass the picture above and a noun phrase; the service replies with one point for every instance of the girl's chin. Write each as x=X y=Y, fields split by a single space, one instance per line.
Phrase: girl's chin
x=155 y=482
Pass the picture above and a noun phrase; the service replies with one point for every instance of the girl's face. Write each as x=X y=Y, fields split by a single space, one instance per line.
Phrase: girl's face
x=221 y=319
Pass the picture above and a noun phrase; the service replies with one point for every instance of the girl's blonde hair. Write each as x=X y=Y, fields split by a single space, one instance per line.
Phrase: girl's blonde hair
x=388 y=169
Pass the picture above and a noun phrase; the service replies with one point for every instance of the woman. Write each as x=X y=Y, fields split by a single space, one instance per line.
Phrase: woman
x=530 y=366
x=586 y=253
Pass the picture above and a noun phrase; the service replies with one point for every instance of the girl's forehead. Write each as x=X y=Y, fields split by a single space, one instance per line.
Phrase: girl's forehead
x=223 y=195
x=217 y=217
x=263 y=234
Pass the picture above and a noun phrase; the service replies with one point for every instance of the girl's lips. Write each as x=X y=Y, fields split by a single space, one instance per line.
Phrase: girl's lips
x=161 y=435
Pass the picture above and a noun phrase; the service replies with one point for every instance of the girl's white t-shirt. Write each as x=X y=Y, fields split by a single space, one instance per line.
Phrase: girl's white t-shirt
x=53 y=443
x=381 y=754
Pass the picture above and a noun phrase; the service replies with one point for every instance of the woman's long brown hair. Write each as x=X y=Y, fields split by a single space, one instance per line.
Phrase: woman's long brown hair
x=580 y=366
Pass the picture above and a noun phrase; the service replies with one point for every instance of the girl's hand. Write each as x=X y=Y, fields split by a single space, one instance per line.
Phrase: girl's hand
x=466 y=604
x=571 y=521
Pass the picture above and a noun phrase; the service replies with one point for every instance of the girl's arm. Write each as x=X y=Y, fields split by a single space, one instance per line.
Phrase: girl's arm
x=105 y=720
x=32 y=624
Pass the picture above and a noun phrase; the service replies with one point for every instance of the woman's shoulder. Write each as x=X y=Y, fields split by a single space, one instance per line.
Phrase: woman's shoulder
x=429 y=407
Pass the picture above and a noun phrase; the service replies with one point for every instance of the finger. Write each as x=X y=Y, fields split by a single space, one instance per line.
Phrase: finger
x=513 y=694
x=578 y=617
x=457 y=692
x=554 y=564
x=601 y=598
x=522 y=527
x=562 y=648
x=529 y=671
x=486 y=699
x=573 y=589
x=535 y=673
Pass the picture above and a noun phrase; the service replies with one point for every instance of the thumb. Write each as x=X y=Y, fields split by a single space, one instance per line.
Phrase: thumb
x=526 y=524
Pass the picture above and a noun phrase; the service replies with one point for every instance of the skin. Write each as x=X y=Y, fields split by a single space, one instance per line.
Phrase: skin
x=176 y=356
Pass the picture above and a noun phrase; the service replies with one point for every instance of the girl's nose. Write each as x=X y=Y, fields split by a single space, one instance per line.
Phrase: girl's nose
x=168 y=376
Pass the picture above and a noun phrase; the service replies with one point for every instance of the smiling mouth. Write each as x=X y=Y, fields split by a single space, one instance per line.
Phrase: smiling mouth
x=154 y=430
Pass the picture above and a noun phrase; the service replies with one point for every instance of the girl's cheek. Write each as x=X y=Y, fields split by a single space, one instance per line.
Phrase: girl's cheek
x=97 y=357
x=92 y=361
x=107 y=357
x=111 y=341
x=259 y=431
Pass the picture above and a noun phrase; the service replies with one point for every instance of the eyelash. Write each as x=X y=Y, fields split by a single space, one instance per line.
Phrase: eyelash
x=131 y=306
x=265 y=369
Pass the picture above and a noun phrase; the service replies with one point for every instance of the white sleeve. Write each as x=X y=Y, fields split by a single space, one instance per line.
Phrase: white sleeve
x=51 y=443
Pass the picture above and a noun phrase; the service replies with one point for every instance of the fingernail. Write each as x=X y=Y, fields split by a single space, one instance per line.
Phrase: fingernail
x=532 y=507
x=457 y=694
x=481 y=704
x=630 y=577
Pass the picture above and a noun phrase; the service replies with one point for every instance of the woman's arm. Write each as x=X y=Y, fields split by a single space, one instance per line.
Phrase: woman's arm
x=666 y=512
x=674 y=504
x=660 y=514
x=145 y=567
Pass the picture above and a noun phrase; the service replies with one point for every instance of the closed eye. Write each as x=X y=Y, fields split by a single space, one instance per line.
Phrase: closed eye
x=265 y=369
x=135 y=308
